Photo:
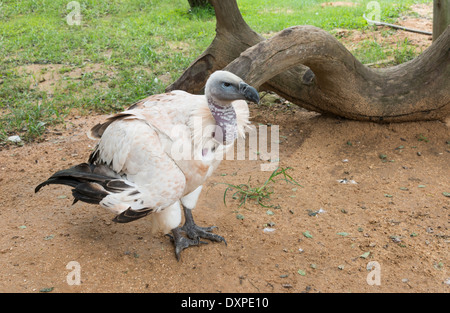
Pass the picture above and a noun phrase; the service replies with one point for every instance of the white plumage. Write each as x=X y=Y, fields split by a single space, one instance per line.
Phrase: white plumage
x=155 y=156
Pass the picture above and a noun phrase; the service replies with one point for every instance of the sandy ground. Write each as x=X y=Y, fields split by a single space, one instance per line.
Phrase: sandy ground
x=369 y=193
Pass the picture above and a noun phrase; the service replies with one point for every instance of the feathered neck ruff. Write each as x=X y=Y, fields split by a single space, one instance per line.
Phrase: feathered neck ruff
x=203 y=116
x=226 y=120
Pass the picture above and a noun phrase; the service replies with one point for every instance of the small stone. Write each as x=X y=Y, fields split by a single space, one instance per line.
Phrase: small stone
x=14 y=139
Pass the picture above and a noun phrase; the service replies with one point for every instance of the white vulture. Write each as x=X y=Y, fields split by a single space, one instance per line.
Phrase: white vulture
x=154 y=157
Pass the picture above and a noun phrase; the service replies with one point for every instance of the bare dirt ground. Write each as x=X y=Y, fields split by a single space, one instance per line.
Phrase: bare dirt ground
x=396 y=213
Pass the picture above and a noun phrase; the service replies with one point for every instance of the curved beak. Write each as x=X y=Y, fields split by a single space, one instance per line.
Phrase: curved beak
x=248 y=92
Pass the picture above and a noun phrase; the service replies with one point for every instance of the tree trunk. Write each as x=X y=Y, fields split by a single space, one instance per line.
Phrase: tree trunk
x=233 y=36
x=441 y=17
x=415 y=90
x=310 y=68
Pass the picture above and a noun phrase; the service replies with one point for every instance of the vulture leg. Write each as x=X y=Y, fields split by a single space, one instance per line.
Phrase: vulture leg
x=194 y=233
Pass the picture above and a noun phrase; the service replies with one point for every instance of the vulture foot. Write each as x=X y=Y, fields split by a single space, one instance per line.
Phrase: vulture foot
x=194 y=234
x=181 y=242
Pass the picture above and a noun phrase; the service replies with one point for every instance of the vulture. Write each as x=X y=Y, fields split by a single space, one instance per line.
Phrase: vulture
x=153 y=158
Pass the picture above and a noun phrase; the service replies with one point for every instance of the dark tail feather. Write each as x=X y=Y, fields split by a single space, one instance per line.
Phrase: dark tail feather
x=90 y=182
x=131 y=215
x=89 y=192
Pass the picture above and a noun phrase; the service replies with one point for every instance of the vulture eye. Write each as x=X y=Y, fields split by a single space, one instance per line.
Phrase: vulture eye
x=226 y=84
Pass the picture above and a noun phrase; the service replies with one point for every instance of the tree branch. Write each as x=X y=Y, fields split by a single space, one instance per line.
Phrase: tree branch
x=416 y=90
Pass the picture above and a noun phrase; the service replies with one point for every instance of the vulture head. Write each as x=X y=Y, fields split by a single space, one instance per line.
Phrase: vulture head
x=224 y=87
x=221 y=90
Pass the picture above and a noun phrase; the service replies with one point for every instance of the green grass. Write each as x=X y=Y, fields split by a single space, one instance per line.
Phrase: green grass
x=244 y=192
x=404 y=52
x=369 y=51
x=126 y=50
x=272 y=15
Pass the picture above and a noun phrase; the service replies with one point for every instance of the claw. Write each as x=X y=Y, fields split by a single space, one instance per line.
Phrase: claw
x=181 y=242
x=193 y=232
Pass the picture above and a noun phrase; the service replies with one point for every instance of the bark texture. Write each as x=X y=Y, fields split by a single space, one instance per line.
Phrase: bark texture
x=441 y=17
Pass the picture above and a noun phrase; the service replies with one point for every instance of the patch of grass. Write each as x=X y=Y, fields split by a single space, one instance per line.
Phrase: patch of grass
x=369 y=51
x=272 y=15
x=404 y=52
x=372 y=51
x=422 y=137
x=202 y=12
x=244 y=192
x=30 y=122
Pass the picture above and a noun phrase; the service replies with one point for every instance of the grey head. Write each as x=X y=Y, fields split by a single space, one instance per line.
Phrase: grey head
x=225 y=87
x=222 y=88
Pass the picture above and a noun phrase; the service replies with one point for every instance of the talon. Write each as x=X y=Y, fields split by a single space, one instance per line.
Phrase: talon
x=194 y=233
x=181 y=242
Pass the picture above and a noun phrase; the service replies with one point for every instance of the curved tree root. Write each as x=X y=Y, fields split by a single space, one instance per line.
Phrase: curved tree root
x=416 y=90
